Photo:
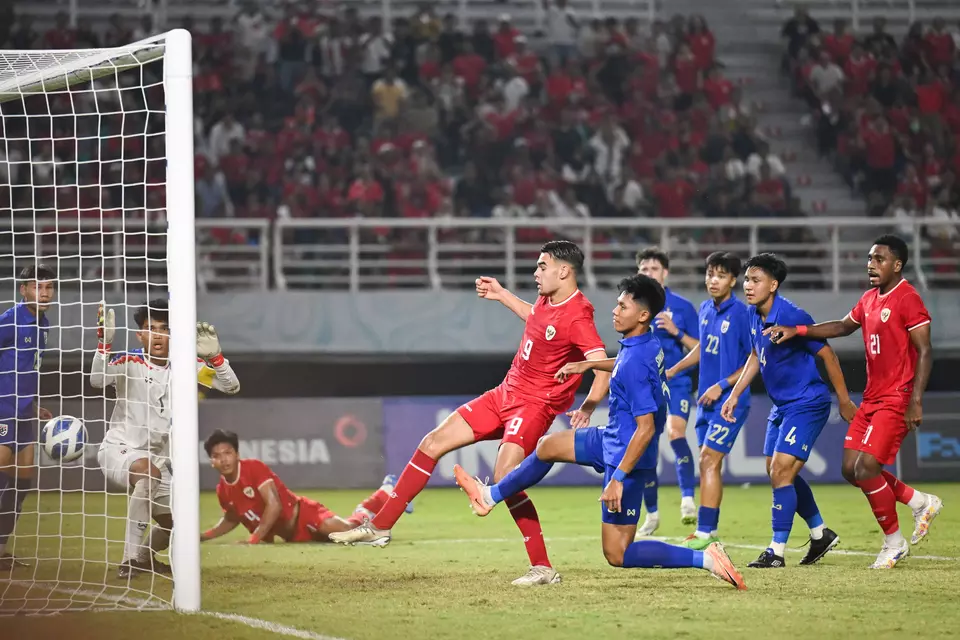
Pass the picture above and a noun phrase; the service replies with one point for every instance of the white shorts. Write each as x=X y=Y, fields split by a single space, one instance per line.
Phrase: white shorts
x=115 y=462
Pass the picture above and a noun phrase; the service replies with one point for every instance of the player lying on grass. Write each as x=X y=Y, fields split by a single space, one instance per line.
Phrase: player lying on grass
x=802 y=404
x=678 y=329
x=625 y=451
x=722 y=352
x=896 y=338
x=251 y=494
x=559 y=328
x=135 y=453
x=23 y=338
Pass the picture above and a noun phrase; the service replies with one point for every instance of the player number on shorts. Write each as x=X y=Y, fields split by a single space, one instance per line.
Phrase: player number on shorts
x=514 y=427
x=251 y=516
x=875 y=344
x=713 y=345
x=791 y=436
x=527 y=348
x=685 y=406
x=866 y=436
x=719 y=434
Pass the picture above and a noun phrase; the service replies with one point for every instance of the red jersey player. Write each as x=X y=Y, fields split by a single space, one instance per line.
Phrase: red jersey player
x=559 y=329
x=896 y=338
x=251 y=494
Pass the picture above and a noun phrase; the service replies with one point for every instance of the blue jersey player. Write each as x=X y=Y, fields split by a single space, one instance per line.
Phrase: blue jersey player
x=801 y=401
x=676 y=327
x=722 y=352
x=625 y=451
x=23 y=337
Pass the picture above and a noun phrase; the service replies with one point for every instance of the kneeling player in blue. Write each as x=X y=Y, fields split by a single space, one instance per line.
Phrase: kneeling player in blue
x=802 y=404
x=625 y=451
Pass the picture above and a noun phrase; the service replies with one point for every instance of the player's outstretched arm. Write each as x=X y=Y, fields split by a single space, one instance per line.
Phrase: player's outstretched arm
x=745 y=374
x=102 y=372
x=208 y=349
x=920 y=338
x=598 y=390
x=822 y=331
x=490 y=289
x=639 y=442
x=271 y=512
x=832 y=364
x=227 y=523
x=692 y=359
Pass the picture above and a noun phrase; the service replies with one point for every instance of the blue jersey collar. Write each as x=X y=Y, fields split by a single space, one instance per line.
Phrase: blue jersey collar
x=637 y=340
x=772 y=317
x=24 y=314
x=725 y=305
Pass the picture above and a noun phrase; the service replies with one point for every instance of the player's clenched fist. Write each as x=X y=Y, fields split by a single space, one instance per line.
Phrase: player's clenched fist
x=208 y=343
x=489 y=288
x=571 y=369
x=106 y=325
x=779 y=334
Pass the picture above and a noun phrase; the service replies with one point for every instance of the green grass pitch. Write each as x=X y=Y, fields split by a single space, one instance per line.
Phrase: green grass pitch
x=447 y=574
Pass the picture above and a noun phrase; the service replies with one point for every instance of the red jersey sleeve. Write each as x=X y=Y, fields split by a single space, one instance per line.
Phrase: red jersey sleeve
x=585 y=337
x=257 y=473
x=913 y=311
x=856 y=314
x=222 y=497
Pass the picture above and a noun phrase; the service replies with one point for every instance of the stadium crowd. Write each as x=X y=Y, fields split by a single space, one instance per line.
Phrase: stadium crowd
x=888 y=114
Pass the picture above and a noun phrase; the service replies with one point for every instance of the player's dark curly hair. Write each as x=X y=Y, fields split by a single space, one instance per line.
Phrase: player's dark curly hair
x=565 y=251
x=646 y=291
x=770 y=264
x=156 y=309
x=654 y=253
x=724 y=260
x=221 y=437
x=36 y=272
x=897 y=245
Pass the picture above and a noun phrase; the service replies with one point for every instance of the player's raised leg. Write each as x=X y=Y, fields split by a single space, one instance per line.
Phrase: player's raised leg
x=925 y=506
x=453 y=433
x=144 y=478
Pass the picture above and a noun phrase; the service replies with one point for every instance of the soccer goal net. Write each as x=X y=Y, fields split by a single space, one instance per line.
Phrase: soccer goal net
x=96 y=204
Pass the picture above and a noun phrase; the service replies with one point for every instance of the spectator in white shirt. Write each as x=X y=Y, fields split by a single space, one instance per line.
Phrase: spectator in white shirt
x=609 y=144
x=375 y=49
x=761 y=155
x=826 y=77
x=253 y=39
x=562 y=28
x=515 y=89
x=222 y=133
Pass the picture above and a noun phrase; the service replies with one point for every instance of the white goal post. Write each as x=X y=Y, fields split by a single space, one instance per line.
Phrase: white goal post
x=59 y=76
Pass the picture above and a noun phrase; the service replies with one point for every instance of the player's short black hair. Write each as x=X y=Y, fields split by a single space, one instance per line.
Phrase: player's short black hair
x=564 y=251
x=724 y=260
x=36 y=272
x=897 y=245
x=646 y=291
x=654 y=253
x=156 y=309
x=221 y=437
x=770 y=264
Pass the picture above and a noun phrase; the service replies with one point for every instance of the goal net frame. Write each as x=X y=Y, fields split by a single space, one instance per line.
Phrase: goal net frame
x=28 y=73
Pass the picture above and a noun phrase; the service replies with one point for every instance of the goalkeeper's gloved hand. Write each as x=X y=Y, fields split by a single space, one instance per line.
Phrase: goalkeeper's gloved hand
x=208 y=344
x=106 y=328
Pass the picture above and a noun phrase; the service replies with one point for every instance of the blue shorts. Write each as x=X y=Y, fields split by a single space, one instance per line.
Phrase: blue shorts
x=681 y=397
x=794 y=429
x=17 y=433
x=716 y=433
x=588 y=445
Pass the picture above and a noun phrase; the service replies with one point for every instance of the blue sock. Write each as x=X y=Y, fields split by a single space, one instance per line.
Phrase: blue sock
x=651 y=489
x=528 y=473
x=648 y=554
x=708 y=519
x=12 y=494
x=784 y=508
x=806 y=505
x=684 y=466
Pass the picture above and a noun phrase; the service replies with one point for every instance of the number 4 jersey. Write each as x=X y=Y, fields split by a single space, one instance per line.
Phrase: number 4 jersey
x=886 y=322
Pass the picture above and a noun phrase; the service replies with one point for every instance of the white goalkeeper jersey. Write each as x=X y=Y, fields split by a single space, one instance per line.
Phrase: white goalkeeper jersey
x=141 y=415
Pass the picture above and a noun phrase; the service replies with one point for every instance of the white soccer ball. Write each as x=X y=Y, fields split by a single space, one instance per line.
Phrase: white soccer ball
x=63 y=438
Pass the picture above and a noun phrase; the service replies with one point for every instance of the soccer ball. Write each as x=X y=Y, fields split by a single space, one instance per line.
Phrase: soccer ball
x=63 y=438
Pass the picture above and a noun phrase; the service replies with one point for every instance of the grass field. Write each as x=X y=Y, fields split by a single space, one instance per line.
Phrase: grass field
x=448 y=573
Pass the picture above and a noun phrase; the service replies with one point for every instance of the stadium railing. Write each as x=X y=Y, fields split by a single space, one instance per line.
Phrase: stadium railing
x=861 y=13
x=439 y=253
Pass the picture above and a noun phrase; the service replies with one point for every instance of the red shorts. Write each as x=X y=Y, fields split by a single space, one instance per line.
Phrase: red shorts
x=878 y=429
x=310 y=520
x=501 y=414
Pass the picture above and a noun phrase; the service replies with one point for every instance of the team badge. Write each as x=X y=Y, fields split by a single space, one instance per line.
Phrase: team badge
x=884 y=315
x=551 y=332
x=724 y=326
x=248 y=491
x=3 y=430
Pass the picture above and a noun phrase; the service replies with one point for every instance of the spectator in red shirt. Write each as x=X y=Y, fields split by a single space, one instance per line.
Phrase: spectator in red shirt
x=880 y=149
x=717 y=88
x=687 y=70
x=470 y=67
x=939 y=45
x=701 y=42
x=61 y=36
x=840 y=43
x=859 y=69
x=674 y=196
x=769 y=197
x=912 y=186
x=525 y=62
x=366 y=194
x=504 y=40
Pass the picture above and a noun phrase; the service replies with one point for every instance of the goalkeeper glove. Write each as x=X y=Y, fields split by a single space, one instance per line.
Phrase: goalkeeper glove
x=208 y=344
x=106 y=328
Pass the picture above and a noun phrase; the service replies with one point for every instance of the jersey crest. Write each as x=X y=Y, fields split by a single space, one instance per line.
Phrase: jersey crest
x=724 y=326
x=551 y=332
x=884 y=315
x=248 y=491
x=3 y=430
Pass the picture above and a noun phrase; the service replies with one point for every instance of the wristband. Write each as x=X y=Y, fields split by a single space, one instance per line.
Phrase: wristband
x=216 y=361
x=724 y=384
x=103 y=348
x=253 y=539
x=802 y=330
x=619 y=475
x=680 y=335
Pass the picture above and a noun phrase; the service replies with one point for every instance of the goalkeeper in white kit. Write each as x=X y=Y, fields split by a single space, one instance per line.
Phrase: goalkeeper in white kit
x=135 y=453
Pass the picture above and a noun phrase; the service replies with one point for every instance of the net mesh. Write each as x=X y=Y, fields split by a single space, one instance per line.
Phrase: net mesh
x=82 y=190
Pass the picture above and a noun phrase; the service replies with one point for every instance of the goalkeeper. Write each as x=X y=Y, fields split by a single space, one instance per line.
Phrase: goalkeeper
x=135 y=453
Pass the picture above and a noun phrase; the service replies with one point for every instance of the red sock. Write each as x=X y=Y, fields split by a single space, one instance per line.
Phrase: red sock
x=525 y=515
x=356 y=519
x=412 y=481
x=902 y=491
x=376 y=501
x=882 y=501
